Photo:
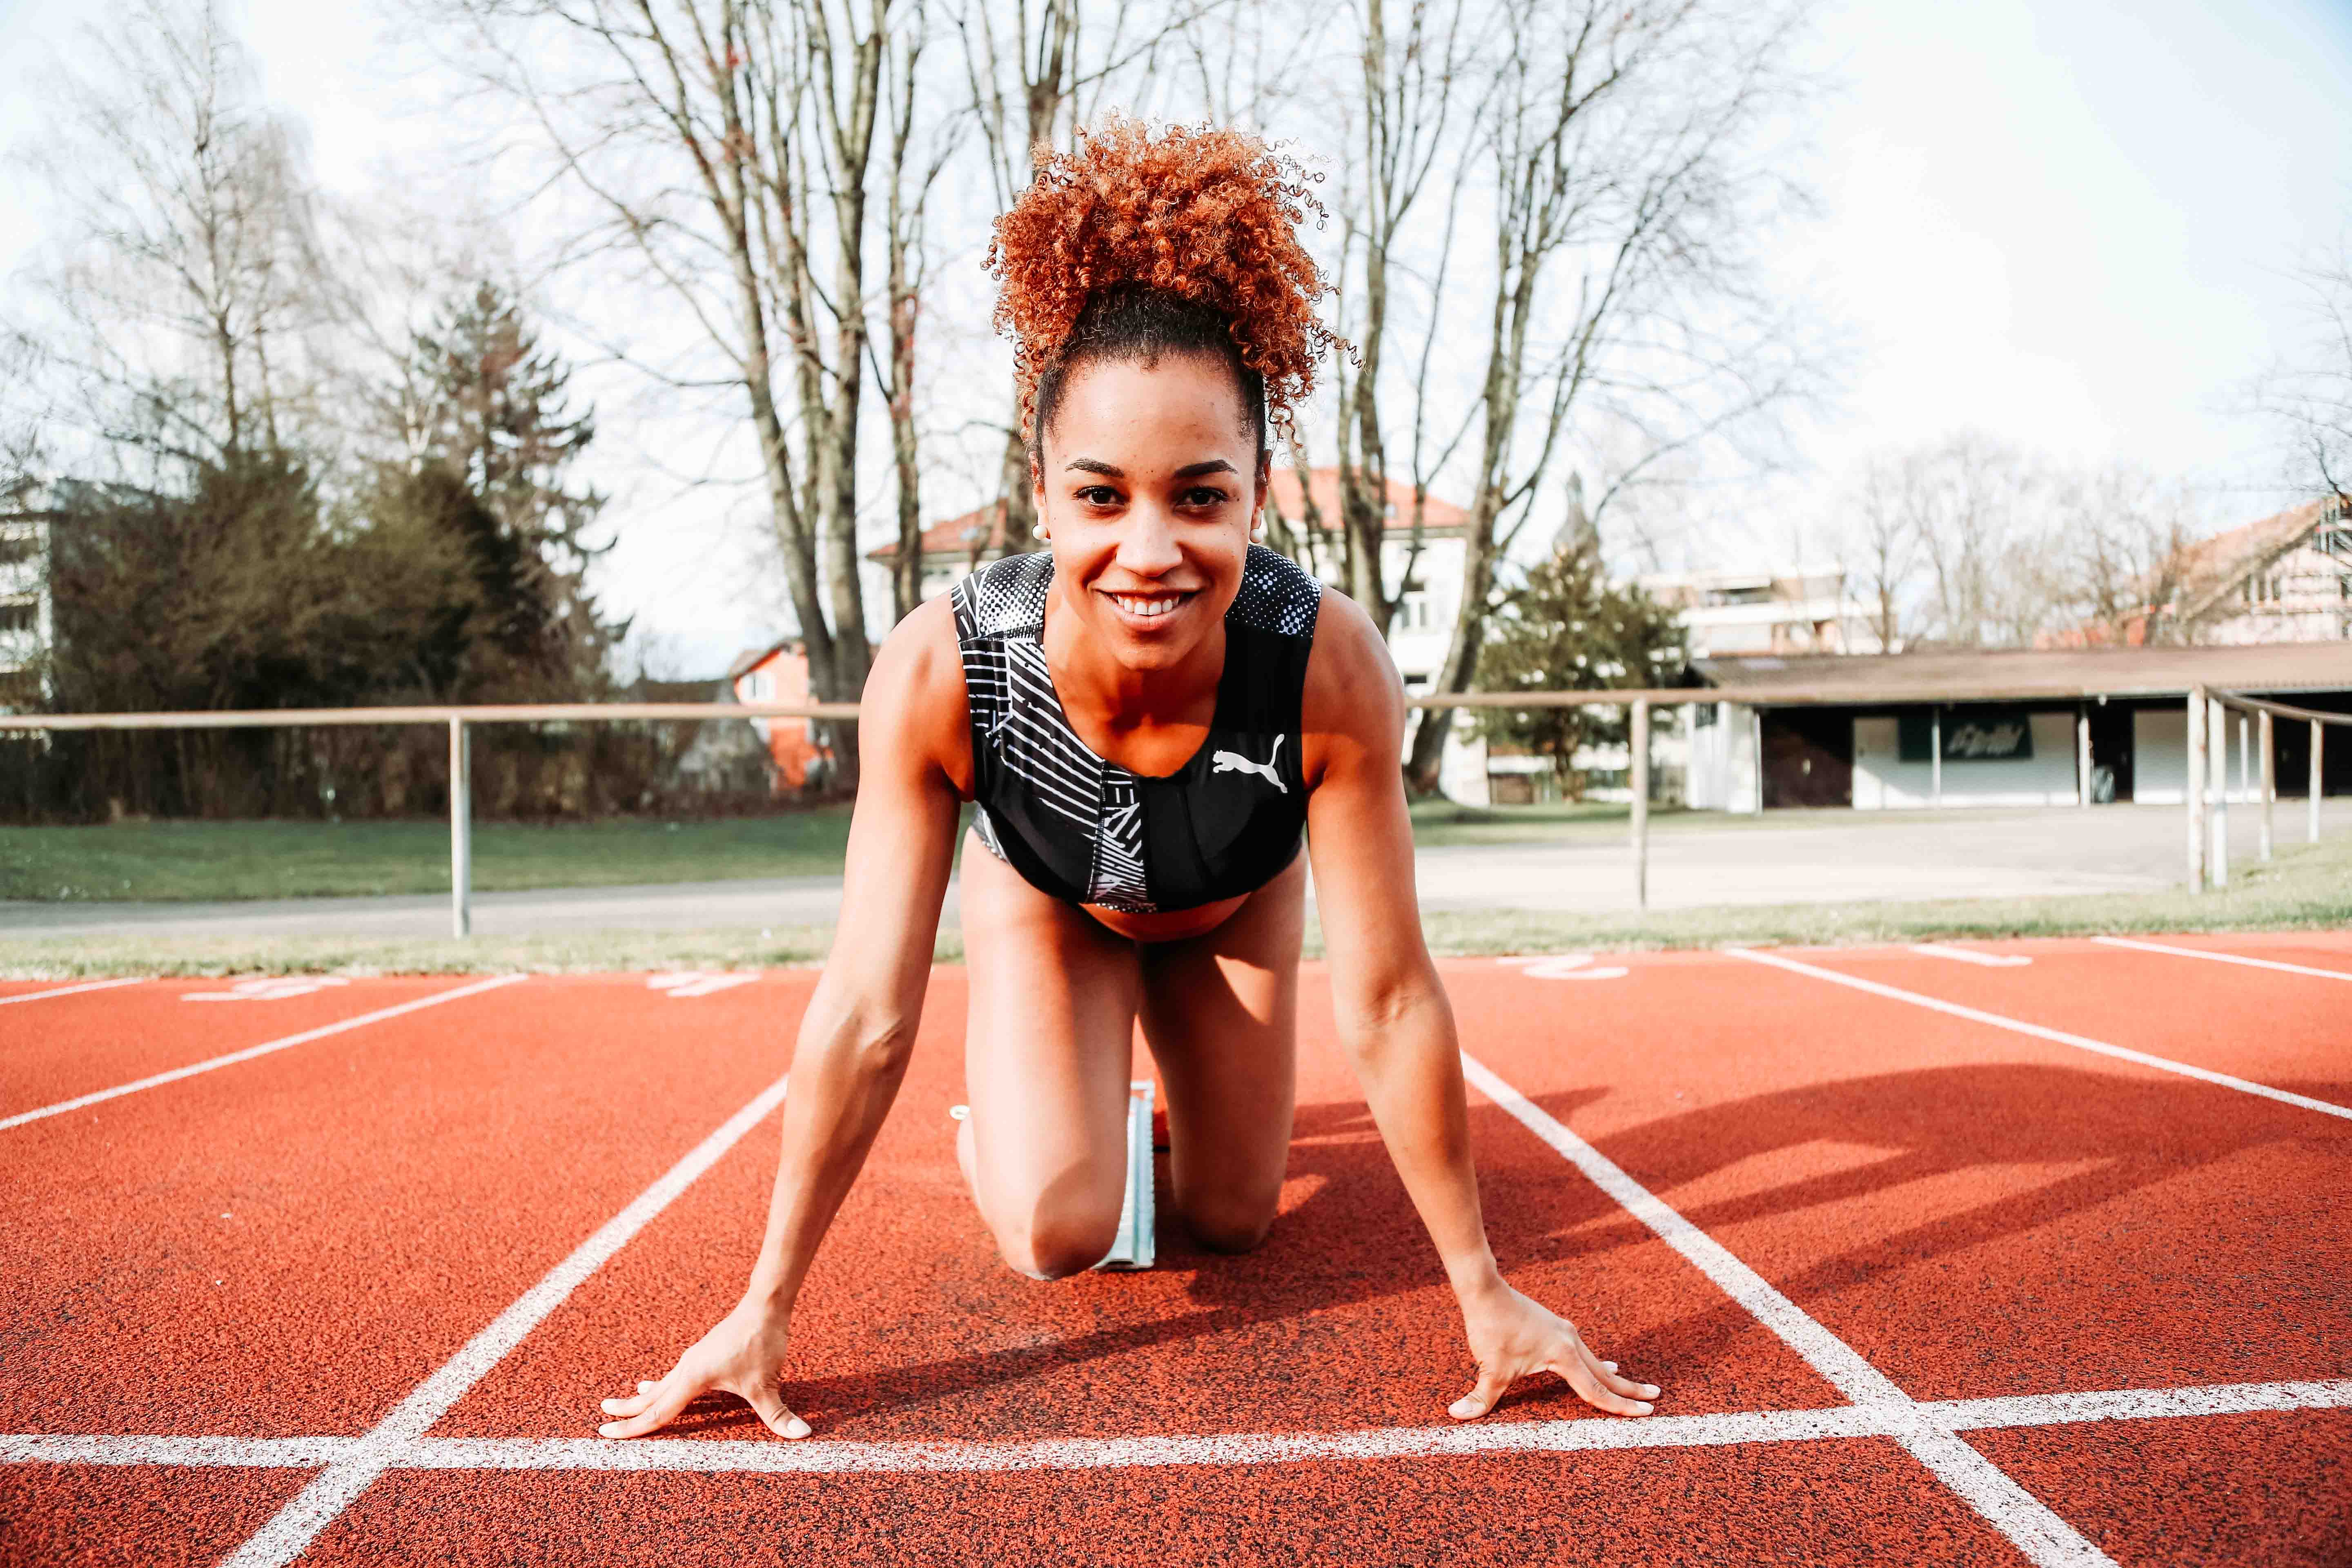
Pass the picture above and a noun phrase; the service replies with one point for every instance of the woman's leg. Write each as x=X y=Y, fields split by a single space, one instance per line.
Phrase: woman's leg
x=1046 y=1057
x=1220 y=1011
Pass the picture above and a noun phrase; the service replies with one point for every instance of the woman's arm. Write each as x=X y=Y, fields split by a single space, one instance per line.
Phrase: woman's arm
x=1392 y=1012
x=860 y=1024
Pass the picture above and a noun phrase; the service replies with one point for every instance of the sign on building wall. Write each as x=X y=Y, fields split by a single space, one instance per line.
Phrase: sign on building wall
x=1972 y=734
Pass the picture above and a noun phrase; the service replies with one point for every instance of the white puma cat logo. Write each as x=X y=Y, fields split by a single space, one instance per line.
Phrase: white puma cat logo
x=1234 y=762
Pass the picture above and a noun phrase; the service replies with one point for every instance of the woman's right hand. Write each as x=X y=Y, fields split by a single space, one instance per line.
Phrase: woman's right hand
x=744 y=1354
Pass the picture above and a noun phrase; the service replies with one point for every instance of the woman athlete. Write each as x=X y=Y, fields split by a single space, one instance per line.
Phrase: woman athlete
x=1147 y=715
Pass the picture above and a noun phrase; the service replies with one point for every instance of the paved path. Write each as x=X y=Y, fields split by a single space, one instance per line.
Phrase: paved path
x=1799 y=858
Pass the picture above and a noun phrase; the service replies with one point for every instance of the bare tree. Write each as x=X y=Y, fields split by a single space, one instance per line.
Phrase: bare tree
x=21 y=454
x=1967 y=541
x=1966 y=503
x=181 y=275
x=1883 y=550
x=725 y=149
x=2309 y=396
x=913 y=165
x=1403 y=108
x=2117 y=554
x=1620 y=148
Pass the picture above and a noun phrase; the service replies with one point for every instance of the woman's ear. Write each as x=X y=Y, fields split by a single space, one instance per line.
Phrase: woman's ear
x=1037 y=493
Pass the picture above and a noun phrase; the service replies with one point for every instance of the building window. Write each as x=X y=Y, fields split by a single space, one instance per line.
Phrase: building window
x=20 y=617
x=16 y=549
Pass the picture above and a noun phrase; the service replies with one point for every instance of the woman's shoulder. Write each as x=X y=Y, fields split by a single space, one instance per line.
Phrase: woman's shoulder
x=1277 y=594
x=920 y=649
x=917 y=682
x=1006 y=597
x=1353 y=685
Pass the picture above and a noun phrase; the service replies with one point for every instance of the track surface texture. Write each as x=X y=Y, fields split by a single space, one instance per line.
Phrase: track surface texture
x=1976 y=1253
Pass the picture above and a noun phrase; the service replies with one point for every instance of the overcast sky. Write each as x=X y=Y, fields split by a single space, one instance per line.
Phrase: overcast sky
x=2069 y=223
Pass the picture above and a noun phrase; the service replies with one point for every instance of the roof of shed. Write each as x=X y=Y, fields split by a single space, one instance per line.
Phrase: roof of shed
x=2026 y=674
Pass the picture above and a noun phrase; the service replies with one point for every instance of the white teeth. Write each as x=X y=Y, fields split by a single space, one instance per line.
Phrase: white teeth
x=1135 y=604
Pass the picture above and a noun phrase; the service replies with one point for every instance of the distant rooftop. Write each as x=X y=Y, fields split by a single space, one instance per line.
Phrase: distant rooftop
x=2030 y=674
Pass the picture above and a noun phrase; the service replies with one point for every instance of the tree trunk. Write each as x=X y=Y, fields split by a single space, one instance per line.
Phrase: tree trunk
x=1020 y=499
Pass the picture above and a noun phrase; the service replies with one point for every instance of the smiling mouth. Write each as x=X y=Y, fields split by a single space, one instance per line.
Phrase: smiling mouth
x=1148 y=606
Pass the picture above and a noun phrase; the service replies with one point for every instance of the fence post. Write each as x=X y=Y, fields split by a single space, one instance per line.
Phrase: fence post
x=1756 y=753
x=2217 y=771
x=1935 y=755
x=2083 y=754
x=2245 y=756
x=2263 y=738
x=461 y=829
x=2194 y=794
x=1641 y=782
x=2318 y=738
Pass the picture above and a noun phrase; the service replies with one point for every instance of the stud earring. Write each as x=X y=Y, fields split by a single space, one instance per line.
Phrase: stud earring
x=1257 y=533
x=1042 y=533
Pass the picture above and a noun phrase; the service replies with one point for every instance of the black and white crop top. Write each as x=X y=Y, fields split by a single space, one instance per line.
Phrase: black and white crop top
x=1088 y=830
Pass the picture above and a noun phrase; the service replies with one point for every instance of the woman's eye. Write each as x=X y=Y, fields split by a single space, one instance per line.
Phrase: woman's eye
x=1099 y=495
x=1205 y=494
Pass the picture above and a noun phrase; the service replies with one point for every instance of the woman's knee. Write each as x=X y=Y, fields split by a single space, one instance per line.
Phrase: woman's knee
x=1055 y=1239
x=1230 y=1223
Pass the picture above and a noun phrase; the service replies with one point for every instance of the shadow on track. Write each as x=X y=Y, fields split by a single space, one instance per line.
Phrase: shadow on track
x=1354 y=1238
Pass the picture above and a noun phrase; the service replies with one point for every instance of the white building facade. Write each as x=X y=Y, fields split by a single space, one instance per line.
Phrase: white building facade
x=26 y=616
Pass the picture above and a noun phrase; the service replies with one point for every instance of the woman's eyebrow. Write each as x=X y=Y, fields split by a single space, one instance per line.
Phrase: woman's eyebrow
x=1189 y=471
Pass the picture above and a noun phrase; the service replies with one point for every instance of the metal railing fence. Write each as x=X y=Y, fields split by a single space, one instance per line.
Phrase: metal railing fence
x=2208 y=813
x=2208 y=775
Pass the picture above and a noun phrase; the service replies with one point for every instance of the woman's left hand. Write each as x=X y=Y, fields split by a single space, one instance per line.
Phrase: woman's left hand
x=1513 y=1336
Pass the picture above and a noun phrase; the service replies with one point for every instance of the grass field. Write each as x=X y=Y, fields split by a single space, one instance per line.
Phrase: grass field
x=162 y=861
x=2307 y=886
x=175 y=860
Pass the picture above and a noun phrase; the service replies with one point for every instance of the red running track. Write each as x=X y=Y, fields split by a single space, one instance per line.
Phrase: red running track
x=1981 y=1215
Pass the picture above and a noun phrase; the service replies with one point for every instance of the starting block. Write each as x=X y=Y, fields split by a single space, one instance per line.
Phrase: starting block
x=1136 y=1246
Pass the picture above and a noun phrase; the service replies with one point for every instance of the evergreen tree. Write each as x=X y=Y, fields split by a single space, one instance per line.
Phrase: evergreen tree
x=1567 y=627
x=492 y=443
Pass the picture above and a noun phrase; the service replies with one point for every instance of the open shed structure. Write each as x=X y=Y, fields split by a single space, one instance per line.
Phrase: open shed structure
x=2031 y=727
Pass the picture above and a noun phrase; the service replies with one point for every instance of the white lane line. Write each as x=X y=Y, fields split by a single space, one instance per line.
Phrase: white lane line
x=1227 y=1450
x=2142 y=1404
x=267 y=1453
x=311 y=1509
x=2028 y=1523
x=2224 y=957
x=71 y=990
x=247 y=1054
x=1969 y=955
x=679 y=1456
x=2058 y=1036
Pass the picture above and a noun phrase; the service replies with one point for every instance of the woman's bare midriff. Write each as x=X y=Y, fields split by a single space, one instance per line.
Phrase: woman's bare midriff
x=1167 y=925
x=1176 y=925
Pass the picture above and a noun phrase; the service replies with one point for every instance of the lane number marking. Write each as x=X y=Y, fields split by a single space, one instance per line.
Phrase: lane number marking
x=1565 y=966
x=270 y=988
x=1969 y=955
x=698 y=983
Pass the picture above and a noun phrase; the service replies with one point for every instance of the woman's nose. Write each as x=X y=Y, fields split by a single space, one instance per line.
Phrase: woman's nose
x=1146 y=545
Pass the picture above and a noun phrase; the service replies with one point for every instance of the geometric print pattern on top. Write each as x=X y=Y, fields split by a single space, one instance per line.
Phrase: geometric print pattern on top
x=1018 y=725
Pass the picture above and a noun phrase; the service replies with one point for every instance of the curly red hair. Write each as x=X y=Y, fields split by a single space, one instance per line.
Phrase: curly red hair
x=1204 y=214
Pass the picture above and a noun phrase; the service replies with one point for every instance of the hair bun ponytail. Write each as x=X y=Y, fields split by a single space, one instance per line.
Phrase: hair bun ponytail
x=1199 y=214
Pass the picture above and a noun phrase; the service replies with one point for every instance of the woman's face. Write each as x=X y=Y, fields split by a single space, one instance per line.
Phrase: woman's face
x=1147 y=487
